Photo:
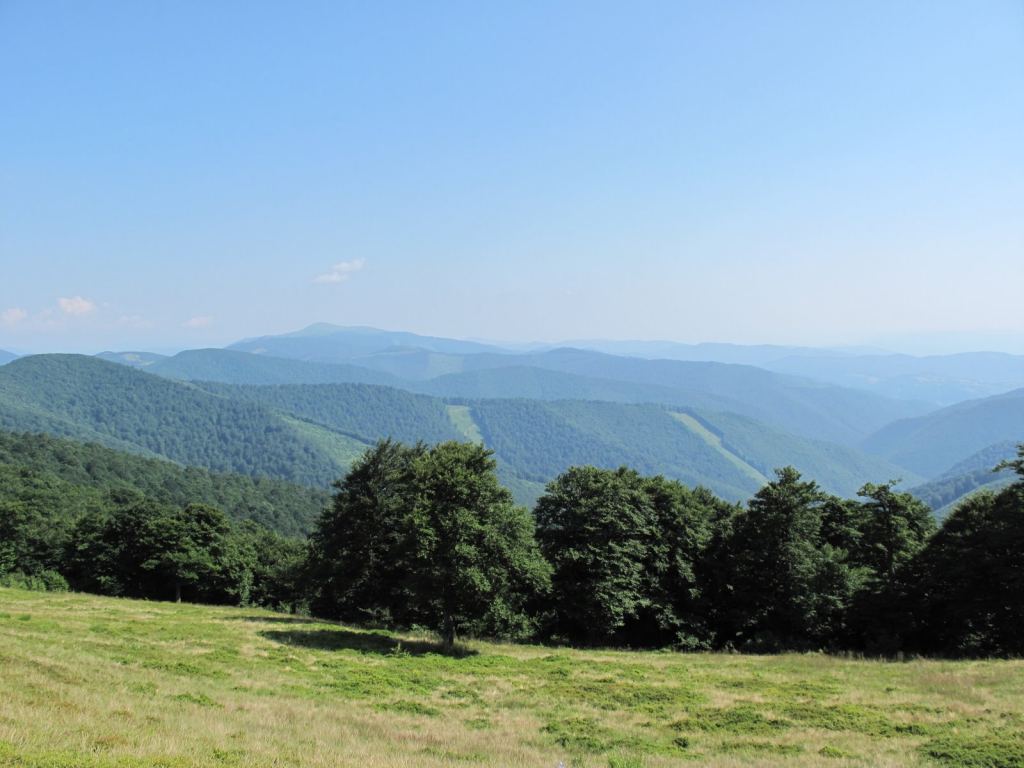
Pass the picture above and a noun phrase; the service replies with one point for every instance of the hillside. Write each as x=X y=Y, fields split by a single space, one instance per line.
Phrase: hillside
x=535 y=440
x=310 y=434
x=966 y=477
x=66 y=477
x=730 y=454
x=233 y=367
x=359 y=410
x=101 y=682
x=6 y=357
x=931 y=444
x=90 y=399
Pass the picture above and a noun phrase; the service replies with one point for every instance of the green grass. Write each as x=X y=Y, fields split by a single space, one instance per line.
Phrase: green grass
x=344 y=450
x=462 y=420
x=90 y=681
x=715 y=442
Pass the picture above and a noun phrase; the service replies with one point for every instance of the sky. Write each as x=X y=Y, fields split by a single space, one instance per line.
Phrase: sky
x=186 y=174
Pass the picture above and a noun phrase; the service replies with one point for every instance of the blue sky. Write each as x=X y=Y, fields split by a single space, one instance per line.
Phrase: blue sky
x=189 y=173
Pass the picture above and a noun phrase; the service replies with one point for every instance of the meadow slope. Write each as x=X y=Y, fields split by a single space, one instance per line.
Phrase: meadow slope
x=102 y=682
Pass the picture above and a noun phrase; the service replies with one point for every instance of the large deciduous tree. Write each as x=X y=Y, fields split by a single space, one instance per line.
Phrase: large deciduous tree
x=476 y=560
x=360 y=560
x=429 y=537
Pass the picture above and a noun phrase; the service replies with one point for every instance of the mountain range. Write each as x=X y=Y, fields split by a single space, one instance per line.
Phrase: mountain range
x=975 y=473
x=795 y=404
x=301 y=407
x=931 y=444
x=937 y=379
x=310 y=433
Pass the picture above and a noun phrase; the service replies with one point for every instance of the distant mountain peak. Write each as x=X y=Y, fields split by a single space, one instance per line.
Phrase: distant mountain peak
x=329 y=329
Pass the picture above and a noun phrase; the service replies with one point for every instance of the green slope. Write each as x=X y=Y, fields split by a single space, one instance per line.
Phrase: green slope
x=65 y=477
x=730 y=454
x=691 y=422
x=310 y=434
x=837 y=468
x=99 y=682
x=967 y=477
x=90 y=399
x=462 y=419
x=358 y=410
x=342 y=448
x=541 y=439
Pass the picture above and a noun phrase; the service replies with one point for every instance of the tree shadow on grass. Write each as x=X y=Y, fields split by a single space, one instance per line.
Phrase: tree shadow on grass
x=276 y=619
x=363 y=642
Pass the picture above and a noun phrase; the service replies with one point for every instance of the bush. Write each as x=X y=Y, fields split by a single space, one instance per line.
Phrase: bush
x=45 y=581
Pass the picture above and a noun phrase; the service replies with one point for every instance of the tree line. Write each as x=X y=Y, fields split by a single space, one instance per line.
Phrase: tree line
x=424 y=536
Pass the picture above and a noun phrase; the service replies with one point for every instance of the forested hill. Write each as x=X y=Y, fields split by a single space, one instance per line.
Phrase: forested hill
x=229 y=366
x=796 y=405
x=310 y=434
x=931 y=444
x=66 y=476
x=90 y=399
x=6 y=357
x=973 y=474
x=359 y=410
x=731 y=454
x=535 y=440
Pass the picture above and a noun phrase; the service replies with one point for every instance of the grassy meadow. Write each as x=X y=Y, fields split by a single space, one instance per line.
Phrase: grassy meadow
x=92 y=681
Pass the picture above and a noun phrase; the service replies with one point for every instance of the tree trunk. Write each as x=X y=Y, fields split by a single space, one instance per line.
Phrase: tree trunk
x=177 y=591
x=448 y=633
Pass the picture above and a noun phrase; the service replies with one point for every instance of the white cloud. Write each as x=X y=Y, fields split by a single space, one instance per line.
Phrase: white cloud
x=198 y=322
x=76 y=305
x=340 y=272
x=12 y=316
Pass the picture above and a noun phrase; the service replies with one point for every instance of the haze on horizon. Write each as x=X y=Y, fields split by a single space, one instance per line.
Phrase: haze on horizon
x=189 y=174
